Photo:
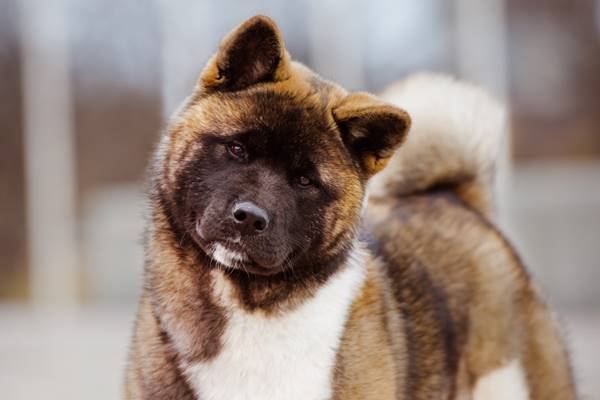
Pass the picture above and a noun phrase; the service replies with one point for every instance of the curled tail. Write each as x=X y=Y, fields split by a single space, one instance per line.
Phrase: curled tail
x=455 y=141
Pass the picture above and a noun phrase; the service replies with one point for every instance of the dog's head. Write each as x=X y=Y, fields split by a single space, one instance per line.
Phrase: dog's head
x=266 y=164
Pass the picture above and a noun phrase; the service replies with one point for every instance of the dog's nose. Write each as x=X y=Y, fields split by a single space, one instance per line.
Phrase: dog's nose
x=250 y=218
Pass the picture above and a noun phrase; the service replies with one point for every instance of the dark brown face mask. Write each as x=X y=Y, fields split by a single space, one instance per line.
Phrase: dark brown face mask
x=276 y=159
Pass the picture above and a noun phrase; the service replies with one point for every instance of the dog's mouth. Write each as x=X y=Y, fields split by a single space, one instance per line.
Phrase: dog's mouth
x=228 y=254
x=233 y=256
x=235 y=253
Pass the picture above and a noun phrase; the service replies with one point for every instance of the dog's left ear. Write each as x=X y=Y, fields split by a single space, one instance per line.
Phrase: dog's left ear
x=253 y=52
x=371 y=129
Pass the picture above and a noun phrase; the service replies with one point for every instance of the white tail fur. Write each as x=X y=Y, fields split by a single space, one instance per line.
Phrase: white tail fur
x=455 y=140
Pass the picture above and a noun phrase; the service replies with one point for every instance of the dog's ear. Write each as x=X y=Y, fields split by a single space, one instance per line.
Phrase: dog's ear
x=371 y=129
x=253 y=52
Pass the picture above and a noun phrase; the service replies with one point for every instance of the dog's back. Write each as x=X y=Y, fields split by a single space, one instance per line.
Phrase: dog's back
x=470 y=321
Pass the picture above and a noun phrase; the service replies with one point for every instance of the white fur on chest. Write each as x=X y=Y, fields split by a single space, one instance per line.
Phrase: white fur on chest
x=284 y=357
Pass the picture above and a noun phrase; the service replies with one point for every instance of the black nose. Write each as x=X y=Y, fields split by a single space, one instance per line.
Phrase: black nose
x=250 y=218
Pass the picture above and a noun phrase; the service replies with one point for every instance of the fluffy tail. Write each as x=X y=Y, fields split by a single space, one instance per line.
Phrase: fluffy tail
x=455 y=140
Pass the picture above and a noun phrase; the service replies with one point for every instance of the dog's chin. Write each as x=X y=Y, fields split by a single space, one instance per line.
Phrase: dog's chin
x=234 y=258
x=228 y=257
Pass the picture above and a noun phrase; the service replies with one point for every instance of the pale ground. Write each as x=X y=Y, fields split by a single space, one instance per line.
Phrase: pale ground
x=81 y=355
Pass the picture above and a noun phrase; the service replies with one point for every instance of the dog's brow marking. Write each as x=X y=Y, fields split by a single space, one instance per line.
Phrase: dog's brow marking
x=289 y=356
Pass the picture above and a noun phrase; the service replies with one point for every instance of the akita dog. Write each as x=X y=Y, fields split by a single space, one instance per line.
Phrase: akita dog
x=269 y=276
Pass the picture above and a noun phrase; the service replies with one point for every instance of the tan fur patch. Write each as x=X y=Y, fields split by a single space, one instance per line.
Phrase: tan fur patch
x=370 y=364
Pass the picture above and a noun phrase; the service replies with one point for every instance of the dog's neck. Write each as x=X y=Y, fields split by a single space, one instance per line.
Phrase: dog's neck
x=288 y=289
x=287 y=353
x=284 y=290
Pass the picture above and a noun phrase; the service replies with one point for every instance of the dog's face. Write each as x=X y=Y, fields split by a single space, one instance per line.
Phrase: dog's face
x=265 y=166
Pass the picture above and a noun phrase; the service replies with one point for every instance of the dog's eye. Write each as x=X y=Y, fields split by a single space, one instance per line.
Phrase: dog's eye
x=304 y=181
x=237 y=150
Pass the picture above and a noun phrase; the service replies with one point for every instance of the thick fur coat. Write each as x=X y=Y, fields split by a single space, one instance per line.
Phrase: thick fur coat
x=271 y=274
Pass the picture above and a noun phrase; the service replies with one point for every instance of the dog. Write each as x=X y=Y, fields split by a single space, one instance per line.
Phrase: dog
x=302 y=244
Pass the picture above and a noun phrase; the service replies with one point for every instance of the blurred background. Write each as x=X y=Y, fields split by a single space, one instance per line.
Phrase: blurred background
x=86 y=85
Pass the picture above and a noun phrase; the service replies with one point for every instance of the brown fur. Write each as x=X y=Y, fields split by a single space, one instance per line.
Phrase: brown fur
x=446 y=300
x=371 y=361
x=469 y=288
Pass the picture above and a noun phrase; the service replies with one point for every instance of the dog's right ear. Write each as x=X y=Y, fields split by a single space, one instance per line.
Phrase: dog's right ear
x=253 y=52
